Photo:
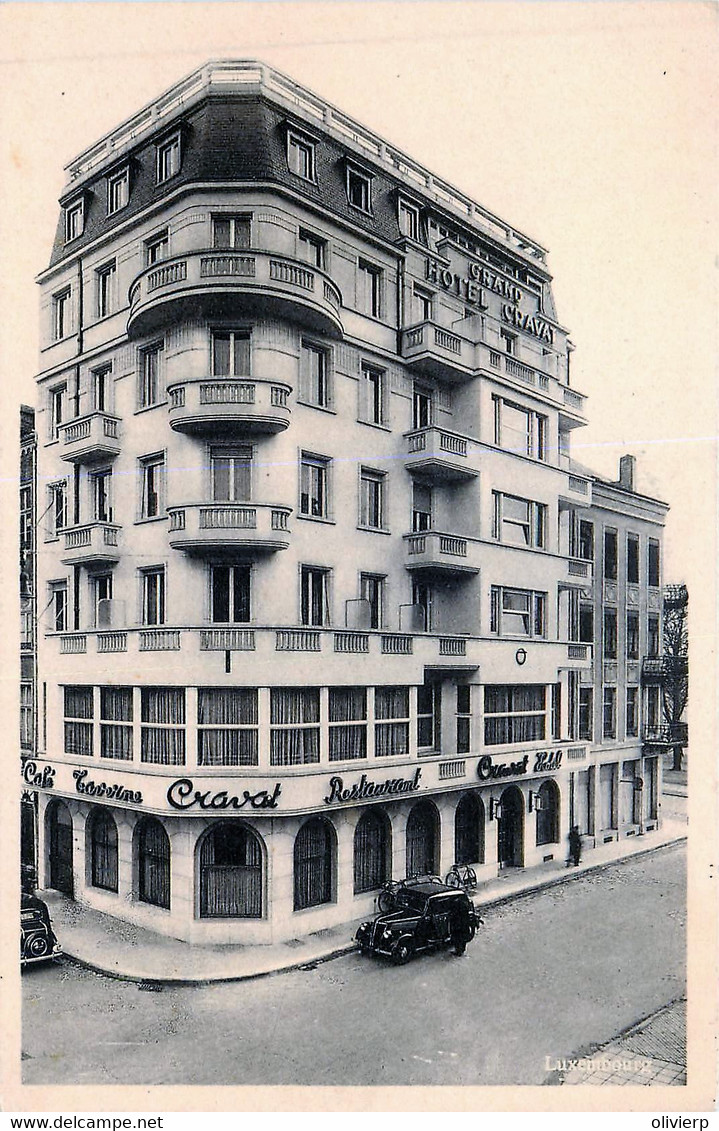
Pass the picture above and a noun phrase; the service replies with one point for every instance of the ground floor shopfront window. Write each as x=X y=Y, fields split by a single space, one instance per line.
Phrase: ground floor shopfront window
x=371 y=851
x=231 y=873
x=469 y=830
x=313 y=864
x=153 y=863
x=422 y=839
x=548 y=813
x=103 y=850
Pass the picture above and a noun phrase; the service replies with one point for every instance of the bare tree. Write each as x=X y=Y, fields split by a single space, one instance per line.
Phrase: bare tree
x=675 y=668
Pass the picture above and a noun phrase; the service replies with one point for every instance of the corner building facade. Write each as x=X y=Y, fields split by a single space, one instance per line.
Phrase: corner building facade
x=324 y=598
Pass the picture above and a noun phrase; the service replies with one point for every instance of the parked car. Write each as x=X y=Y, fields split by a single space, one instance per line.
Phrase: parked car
x=427 y=915
x=37 y=938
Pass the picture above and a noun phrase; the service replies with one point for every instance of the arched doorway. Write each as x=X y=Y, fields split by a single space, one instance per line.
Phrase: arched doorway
x=58 y=832
x=231 y=873
x=422 y=839
x=548 y=813
x=510 y=829
x=469 y=830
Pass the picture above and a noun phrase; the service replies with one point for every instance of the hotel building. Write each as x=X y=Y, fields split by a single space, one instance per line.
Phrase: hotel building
x=323 y=599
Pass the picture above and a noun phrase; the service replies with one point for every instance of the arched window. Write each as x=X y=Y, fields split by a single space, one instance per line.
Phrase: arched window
x=548 y=813
x=153 y=863
x=231 y=873
x=371 y=851
x=103 y=850
x=314 y=848
x=422 y=839
x=58 y=831
x=469 y=830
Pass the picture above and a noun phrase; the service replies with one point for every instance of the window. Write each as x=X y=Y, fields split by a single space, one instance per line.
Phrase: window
x=548 y=813
x=168 y=158
x=58 y=605
x=586 y=713
x=469 y=830
x=653 y=640
x=231 y=873
x=106 y=282
x=556 y=706
x=150 y=391
x=585 y=541
x=409 y=220
x=102 y=591
x=653 y=564
x=294 y=726
x=27 y=715
x=153 y=595
x=610 y=634
x=227 y=726
x=372 y=395
x=371 y=851
x=517 y=612
x=633 y=559
x=653 y=701
x=391 y=730
x=162 y=734
x=61 y=314
x=519 y=430
x=313 y=864
x=231 y=474
x=429 y=705
x=103 y=850
x=610 y=555
x=369 y=289
x=230 y=353
x=314 y=486
x=74 y=220
x=508 y=342
x=632 y=715
x=79 y=713
x=421 y=839
x=421 y=306
x=157 y=248
x=421 y=407
x=423 y=606
x=347 y=723
x=57 y=410
x=464 y=718
x=314 y=375
x=116 y=714
x=519 y=522
x=101 y=494
x=421 y=507
x=230 y=594
x=314 y=596
x=152 y=471
x=312 y=249
x=118 y=190
x=359 y=189
x=609 y=722
x=153 y=863
x=372 y=487
x=372 y=591
x=300 y=155
x=632 y=636
x=232 y=232
x=514 y=713
x=57 y=508
x=100 y=388
x=586 y=623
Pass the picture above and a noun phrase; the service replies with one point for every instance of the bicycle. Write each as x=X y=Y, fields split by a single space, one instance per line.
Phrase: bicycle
x=461 y=876
x=387 y=897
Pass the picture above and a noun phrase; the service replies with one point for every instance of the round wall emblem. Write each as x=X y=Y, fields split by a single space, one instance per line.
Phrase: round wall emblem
x=521 y=656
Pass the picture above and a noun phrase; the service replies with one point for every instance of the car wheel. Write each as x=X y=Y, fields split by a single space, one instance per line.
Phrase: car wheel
x=385 y=901
x=402 y=951
x=459 y=948
x=365 y=950
x=471 y=931
x=452 y=880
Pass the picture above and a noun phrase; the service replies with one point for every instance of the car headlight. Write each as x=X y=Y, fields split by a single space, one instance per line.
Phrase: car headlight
x=386 y=934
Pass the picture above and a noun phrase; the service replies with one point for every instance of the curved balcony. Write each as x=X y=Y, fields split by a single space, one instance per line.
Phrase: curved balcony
x=251 y=528
x=89 y=438
x=225 y=404
x=234 y=284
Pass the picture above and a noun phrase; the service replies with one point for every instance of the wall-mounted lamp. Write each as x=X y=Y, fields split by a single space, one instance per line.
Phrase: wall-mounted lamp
x=535 y=802
x=495 y=810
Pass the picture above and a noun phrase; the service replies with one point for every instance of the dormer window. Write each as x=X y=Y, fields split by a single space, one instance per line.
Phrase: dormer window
x=118 y=190
x=168 y=157
x=359 y=188
x=74 y=220
x=408 y=215
x=301 y=155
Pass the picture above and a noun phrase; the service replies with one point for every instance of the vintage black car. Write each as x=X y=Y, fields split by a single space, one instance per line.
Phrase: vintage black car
x=427 y=915
x=37 y=938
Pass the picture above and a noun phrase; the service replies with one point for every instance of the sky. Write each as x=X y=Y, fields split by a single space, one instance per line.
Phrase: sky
x=589 y=126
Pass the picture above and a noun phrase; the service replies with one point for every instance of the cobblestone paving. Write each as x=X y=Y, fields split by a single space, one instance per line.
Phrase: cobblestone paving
x=652 y=1052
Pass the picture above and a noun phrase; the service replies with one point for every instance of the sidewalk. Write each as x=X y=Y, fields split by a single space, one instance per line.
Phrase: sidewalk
x=652 y=1052
x=122 y=950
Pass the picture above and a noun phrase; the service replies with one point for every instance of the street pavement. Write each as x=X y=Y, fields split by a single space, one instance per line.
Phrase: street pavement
x=560 y=970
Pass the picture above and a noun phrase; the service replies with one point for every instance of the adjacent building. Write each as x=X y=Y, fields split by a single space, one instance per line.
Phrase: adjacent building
x=323 y=598
x=28 y=639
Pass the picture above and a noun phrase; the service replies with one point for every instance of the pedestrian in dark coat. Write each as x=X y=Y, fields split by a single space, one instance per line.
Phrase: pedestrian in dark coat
x=575 y=845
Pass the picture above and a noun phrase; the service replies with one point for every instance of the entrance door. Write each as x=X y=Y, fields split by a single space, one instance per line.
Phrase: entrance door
x=59 y=831
x=510 y=847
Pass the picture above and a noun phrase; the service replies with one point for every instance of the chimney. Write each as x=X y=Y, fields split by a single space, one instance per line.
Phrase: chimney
x=627 y=472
